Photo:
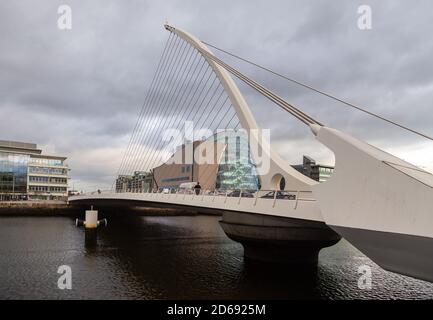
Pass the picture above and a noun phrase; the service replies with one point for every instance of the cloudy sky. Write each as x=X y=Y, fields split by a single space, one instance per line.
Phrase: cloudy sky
x=78 y=92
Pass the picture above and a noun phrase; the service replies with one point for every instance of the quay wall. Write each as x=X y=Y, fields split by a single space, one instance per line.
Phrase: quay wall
x=62 y=208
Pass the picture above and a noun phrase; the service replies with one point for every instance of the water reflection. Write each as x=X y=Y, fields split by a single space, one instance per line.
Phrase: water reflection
x=90 y=238
x=175 y=258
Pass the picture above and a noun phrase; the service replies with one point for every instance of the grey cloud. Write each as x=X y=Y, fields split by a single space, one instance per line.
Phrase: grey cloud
x=81 y=90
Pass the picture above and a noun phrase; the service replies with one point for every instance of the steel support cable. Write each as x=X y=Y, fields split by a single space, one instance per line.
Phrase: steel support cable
x=271 y=96
x=168 y=119
x=205 y=110
x=217 y=113
x=165 y=53
x=196 y=104
x=142 y=108
x=165 y=115
x=153 y=116
x=184 y=106
x=267 y=93
x=303 y=117
x=185 y=110
x=231 y=119
x=214 y=117
x=280 y=102
x=352 y=105
x=214 y=93
x=168 y=66
x=216 y=102
x=201 y=92
x=161 y=125
x=206 y=170
x=152 y=92
x=194 y=94
x=161 y=91
x=229 y=108
x=156 y=150
x=306 y=119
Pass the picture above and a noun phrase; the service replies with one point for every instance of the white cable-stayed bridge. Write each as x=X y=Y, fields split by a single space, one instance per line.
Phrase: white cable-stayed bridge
x=383 y=207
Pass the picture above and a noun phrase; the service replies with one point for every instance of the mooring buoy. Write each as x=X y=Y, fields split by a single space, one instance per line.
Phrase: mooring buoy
x=91 y=221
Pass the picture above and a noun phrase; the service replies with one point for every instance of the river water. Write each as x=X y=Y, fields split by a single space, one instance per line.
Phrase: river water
x=186 y=257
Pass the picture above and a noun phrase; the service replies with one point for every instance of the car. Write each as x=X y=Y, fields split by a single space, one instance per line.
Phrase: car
x=217 y=193
x=245 y=194
x=284 y=195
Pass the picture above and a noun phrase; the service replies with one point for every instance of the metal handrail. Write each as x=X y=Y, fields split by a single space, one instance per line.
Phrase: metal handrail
x=298 y=195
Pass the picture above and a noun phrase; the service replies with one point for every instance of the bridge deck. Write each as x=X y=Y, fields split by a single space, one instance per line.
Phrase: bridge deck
x=302 y=207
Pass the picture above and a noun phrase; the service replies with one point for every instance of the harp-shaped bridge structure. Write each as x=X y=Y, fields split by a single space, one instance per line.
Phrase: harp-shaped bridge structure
x=384 y=207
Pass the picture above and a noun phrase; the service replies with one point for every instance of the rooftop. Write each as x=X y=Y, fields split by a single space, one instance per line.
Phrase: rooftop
x=22 y=147
x=26 y=148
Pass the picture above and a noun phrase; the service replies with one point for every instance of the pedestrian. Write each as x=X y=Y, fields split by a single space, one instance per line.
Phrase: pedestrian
x=197 y=188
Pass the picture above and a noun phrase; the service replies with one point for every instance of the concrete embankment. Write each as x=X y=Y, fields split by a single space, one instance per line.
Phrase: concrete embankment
x=34 y=208
x=61 y=208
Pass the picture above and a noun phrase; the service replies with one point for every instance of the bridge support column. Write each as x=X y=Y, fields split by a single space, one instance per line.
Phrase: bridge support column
x=278 y=239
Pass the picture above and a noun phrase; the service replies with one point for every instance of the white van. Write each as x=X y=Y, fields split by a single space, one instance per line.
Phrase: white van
x=187 y=187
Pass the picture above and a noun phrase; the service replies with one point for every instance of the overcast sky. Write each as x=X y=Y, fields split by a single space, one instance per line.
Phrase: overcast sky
x=78 y=92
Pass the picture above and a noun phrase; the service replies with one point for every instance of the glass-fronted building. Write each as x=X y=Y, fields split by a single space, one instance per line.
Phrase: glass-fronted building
x=27 y=174
x=311 y=169
x=13 y=174
x=231 y=169
x=236 y=169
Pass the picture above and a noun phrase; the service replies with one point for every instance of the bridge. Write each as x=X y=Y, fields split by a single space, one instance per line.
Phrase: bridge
x=383 y=207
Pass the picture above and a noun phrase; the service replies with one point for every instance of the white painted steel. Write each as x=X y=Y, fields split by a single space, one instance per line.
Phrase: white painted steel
x=374 y=190
x=294 y=179
x=380 y=203
x=91 y=219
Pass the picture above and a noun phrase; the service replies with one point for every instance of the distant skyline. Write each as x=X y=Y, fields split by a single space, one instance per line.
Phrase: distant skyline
x=78 y=92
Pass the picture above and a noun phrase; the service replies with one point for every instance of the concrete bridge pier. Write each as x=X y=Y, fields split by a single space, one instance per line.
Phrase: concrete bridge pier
x=278 y=239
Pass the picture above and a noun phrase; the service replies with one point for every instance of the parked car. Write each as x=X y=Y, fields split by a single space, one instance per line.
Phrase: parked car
x=280 y=195
x=245 y=194
x=217 y=193
x=187 y=187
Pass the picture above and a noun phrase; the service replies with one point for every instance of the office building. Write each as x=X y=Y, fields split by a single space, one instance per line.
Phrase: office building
x=311 y=169
x=27 y=174
x=140 y=181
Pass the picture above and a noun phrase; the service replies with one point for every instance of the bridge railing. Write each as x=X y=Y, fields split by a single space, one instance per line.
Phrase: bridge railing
x=272 y=196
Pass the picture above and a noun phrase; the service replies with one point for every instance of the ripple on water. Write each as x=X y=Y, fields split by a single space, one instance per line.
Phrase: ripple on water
x=173 y=257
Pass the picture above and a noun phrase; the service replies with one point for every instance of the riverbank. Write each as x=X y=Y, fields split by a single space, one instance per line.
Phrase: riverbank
x=36 y=208
x=61 y=208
